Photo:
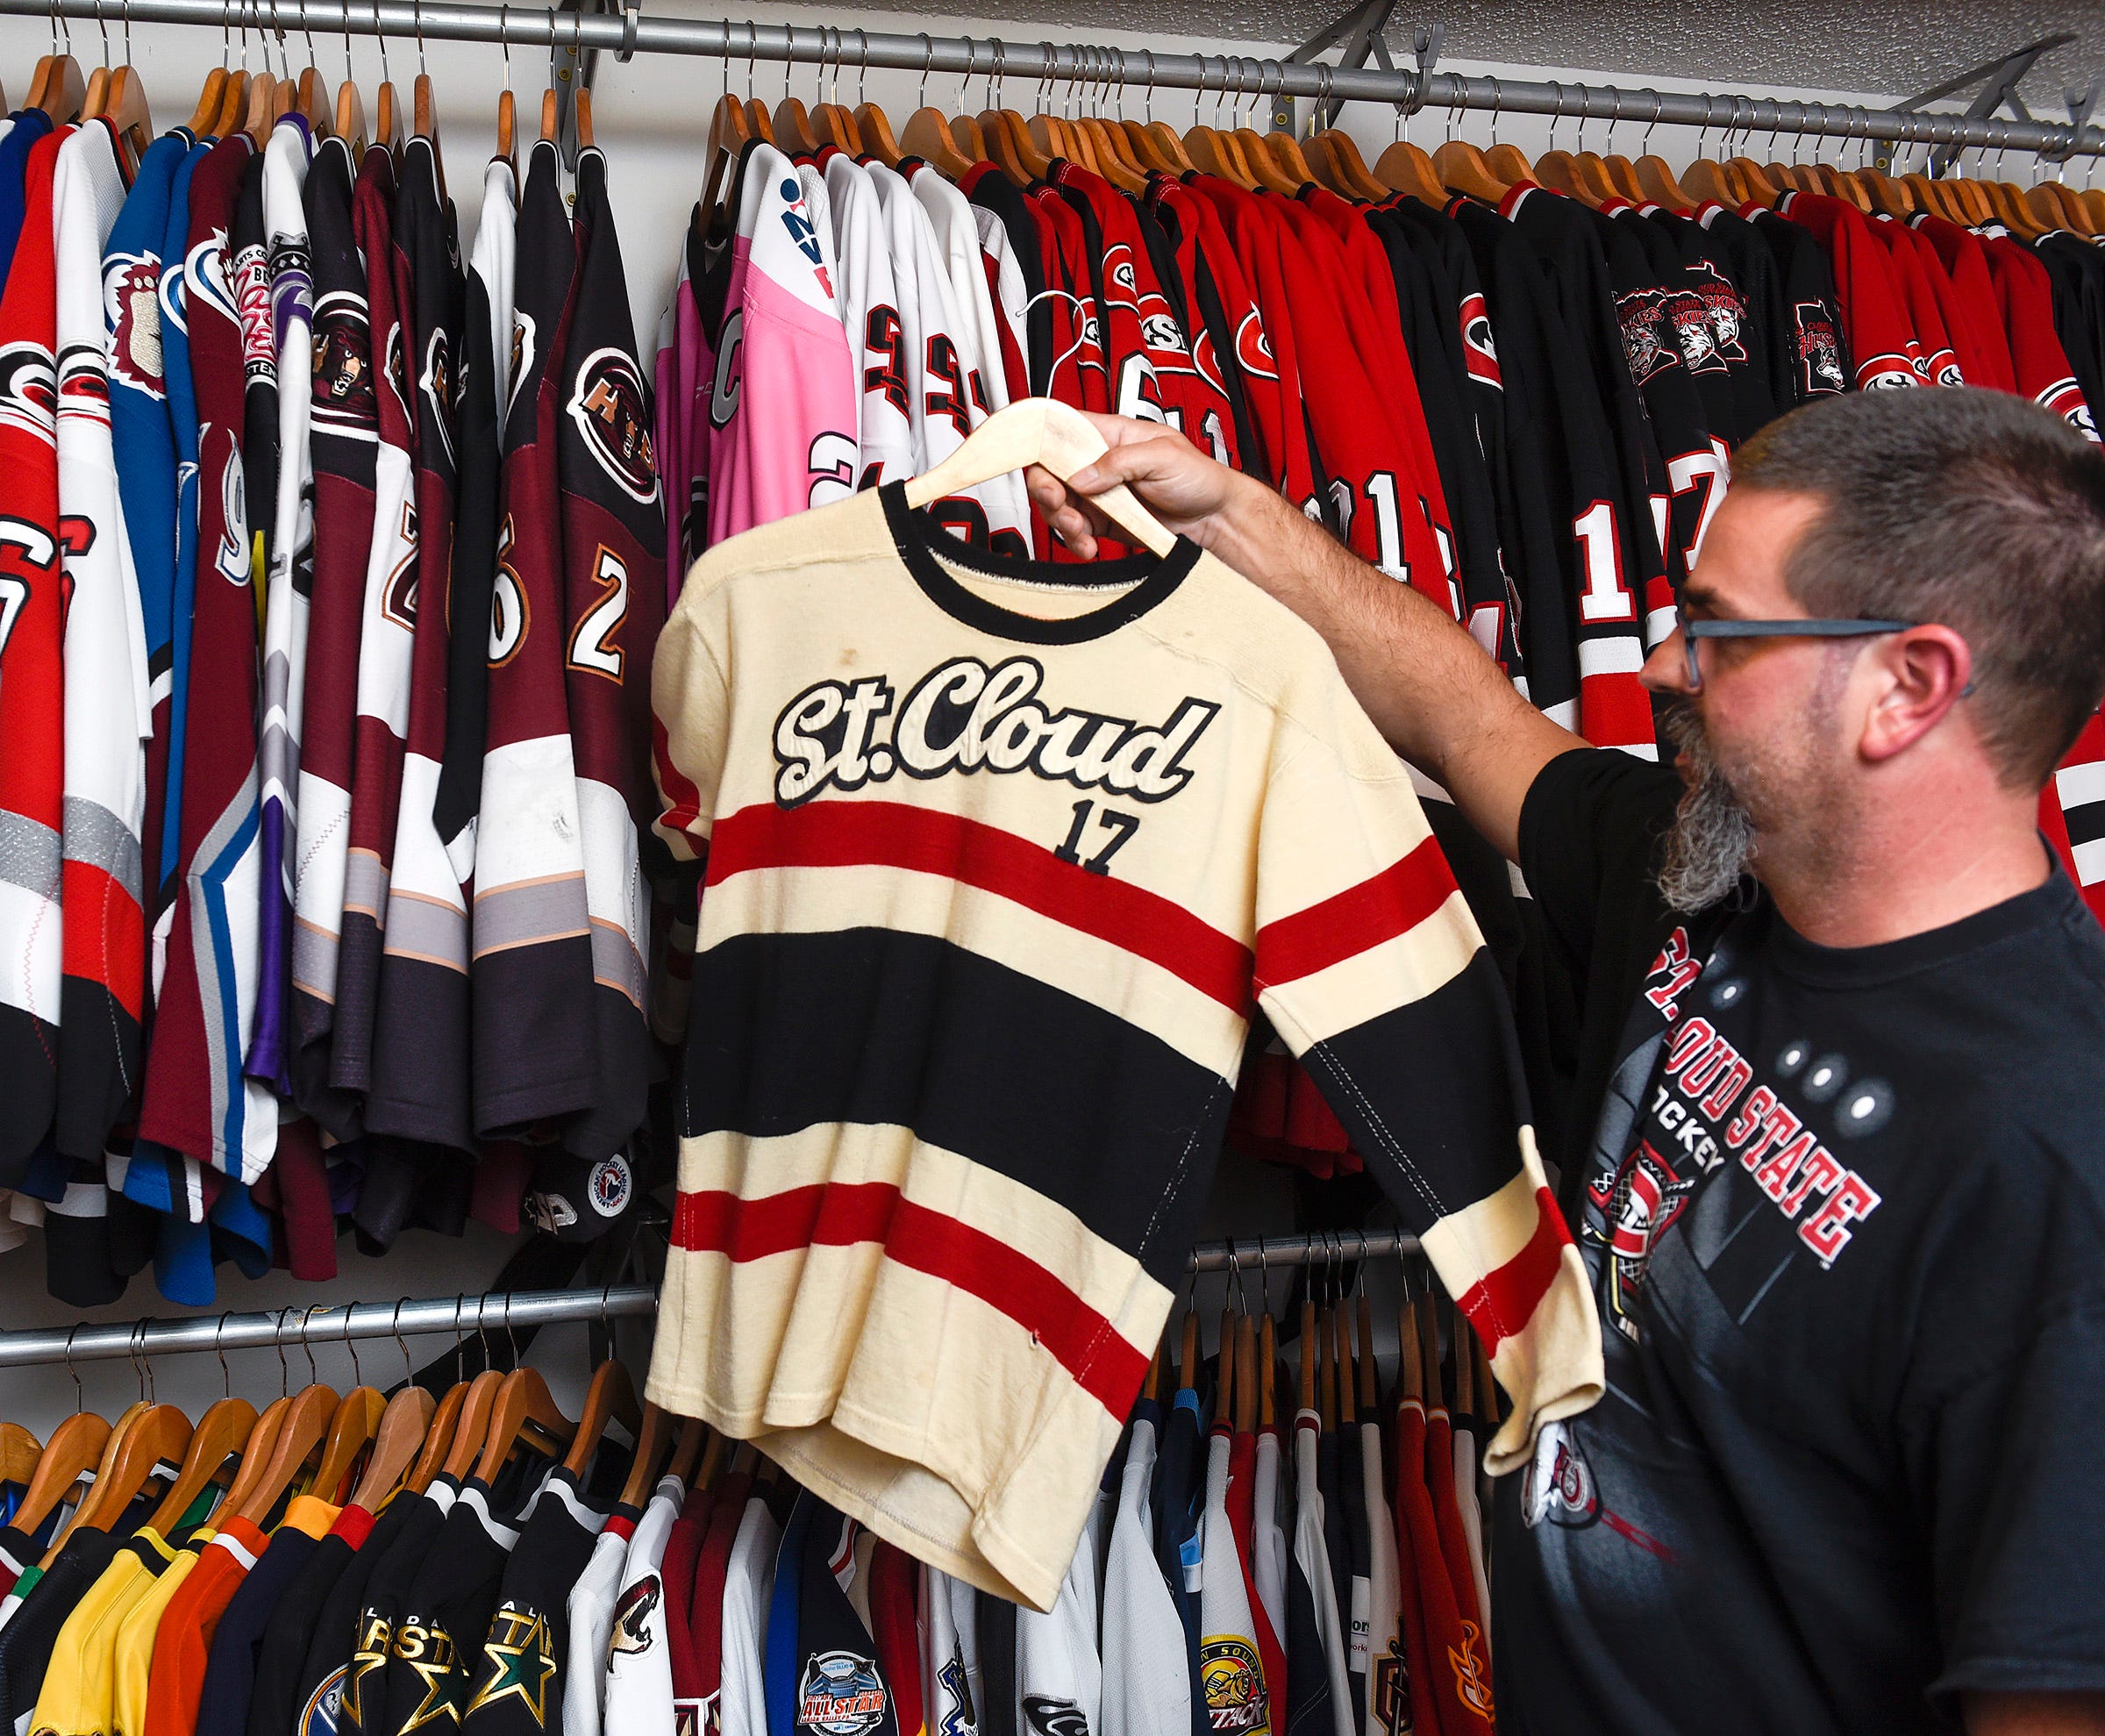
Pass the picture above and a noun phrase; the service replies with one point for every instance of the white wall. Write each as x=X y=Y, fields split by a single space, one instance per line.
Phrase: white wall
x=651 y=117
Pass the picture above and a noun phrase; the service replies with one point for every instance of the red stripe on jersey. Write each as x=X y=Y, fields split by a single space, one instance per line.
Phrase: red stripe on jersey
x=1615 y=710
x=1499 y=1304
x=890 y=834
x=843 y=1213
x=1391 y=903
x=683 y=800
x=104 y=940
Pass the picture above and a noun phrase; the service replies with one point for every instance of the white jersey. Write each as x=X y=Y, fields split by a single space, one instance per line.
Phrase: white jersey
x=1058 y=1675
x=1466 y=1474
x=1229 y=1664
x=494 y=260
x=947 y=397
x=590 y=1608
x=638 y=1694
x=107 y=707
x=748 y=1581
x=1011 y=296
x=1385 y=1592
x=1267 y=1540
x=1312 y=1557
x=1146 y=1682
x=869 y=314
x=950 y=1656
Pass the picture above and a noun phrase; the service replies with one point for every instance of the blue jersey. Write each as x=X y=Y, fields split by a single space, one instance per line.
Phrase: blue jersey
x=31 y=124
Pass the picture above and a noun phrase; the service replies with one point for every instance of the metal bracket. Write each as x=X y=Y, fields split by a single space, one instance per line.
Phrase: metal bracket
x=1998 y=79
x=2079 y=100
x=570 y=69
x=1359 y=29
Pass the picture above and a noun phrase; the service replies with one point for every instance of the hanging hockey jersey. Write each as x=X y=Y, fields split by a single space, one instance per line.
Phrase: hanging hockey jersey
x=420 y=1087
x=1918 y=300
x=613 y=517
x=1875 y=323
x=482 y=389
x=782 y=418
x=1091 y=1225
x=2025 y=296
x=1319 y=1685
x=343 y=438
x=531 y=968
x=1146 y=1685
x=198 y=1100
x=1058 y=1675
x=248 y=276
x=288 y=588
x=385 y=639
x=108 y=710
x=32 y=771
x=869 y=314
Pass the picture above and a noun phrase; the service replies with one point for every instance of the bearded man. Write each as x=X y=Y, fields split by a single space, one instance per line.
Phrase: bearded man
x=1838 y=1161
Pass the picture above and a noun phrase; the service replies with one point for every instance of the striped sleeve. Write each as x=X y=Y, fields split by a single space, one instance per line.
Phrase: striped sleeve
x=690 y=709
x=1370 y=965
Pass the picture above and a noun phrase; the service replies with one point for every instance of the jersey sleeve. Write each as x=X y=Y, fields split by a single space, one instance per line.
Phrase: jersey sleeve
x=1370 y=967
x=690 y=714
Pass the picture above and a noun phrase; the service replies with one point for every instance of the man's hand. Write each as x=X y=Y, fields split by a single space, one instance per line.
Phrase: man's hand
x=1432 y=692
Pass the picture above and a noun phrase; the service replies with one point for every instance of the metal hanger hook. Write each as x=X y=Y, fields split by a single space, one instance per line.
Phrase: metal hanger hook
x=103 y=25
x=418 y=17
x=80 y=1393
x=358 y=1371
x=226 y=1377
x=510 y=1338
x=928 y=58
x=1498 y=102
x=1264 y=1277
x=409 y=1369
x=284 y=1367
x=314 y=1373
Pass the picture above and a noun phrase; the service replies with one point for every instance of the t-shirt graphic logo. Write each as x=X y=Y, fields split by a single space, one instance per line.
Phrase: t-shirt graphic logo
x=1557 y=1483
x=841 y=1694
x=632 y=1617
x=1233 y=1682
x=1051 y=1716
x=1645 y=1197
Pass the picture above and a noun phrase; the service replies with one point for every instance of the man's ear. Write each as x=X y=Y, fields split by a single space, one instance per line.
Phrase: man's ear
x=1921 y=674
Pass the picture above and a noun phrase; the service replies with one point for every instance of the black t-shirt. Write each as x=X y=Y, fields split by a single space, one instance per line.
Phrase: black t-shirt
x=1845 y=1213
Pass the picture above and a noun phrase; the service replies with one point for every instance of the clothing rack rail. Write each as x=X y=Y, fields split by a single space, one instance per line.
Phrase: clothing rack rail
x=627 y=32
x=498 y=1310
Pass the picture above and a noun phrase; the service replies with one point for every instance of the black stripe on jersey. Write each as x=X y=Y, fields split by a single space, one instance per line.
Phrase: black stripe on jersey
x=2085 y=822
x=1473 y=1086
x=870 y=1026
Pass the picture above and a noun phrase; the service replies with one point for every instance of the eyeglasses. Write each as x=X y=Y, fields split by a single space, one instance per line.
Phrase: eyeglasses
x=1693 y=631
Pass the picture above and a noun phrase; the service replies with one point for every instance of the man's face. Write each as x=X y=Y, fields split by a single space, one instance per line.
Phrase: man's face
x=1761 y=741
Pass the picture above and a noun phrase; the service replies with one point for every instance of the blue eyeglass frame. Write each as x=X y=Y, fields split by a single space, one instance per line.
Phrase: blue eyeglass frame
x=1693 y=631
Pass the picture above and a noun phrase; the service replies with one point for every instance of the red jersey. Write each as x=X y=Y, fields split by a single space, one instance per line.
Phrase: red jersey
x=2025 y=295
x=1984 y=352
x=1874 y=322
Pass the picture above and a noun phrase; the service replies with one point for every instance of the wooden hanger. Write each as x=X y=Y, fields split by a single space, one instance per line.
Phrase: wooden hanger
x=1187 y=1351
x=438 y=1439
x=150 y=1435
x=58 y=87
x=1218 y=152
x=1289 y=158
x=1885 y=194
x=1308 y=1348
x=1037 y=431
x=651 y=1442
x=1759 y=189
x=525 y=1411
x=1707 y=181
x=404 y=1427
x=695 y=1434
x=793 y=130
x=19 y=1451
x=423 y=111
x=1168 y=143
x=1224 y=1357
x=1464 y=1370
x=1462 y=169
x=305 y=1427
x=966 y=130
x=1408 y=169
x=256 y=114
x=220 y=1435
x=835 y=125
x=233 y=103
x=209 y=99
x=75 y=1448
x=1659 y=186
x=2006 y=199
x=1506 y=162
x=876 y=130
x=928 y=136
x=1410 y=1373
x=1247 y=1395
x=308 y=100
x=1487 y=1387
x=256 y=1456
x=351 y=118
x=123 y=104
x=387 y=117
x=1348 y=1404
x=1350 y=166
x=580 y=118
x=611 y=1396
x=1370 y=1376
x=1010 y=148
x=351 y=1431
x=1151 y=1382
x=473 y=1428
x=730 y=131
x=1144 y=148
x=1429 y=1350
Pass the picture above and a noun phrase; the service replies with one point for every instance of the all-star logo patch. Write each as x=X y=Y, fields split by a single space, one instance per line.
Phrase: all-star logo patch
x=610 y=1186
x=29 y=390
x=841 y=1694
x=612 y=411
x=131 y=305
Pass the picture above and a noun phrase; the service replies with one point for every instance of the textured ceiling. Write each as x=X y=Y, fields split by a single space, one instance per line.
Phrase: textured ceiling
x=1889 y=46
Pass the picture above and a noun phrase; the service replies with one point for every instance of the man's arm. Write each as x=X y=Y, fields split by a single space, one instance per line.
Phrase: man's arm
x=1432 y=690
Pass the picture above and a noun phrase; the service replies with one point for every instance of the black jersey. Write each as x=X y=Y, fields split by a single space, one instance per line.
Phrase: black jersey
x=290 y=1625
x=1359 y=1543
x=229 y=1672
x=517 y=1675
x=25 y=1642
x=2076 y=270
x=1770 y=333
x=1728 y=324
x=446 y=1611
x=1822 y=365
x=325 y=1657
x=248 y=274
x=363 y=1706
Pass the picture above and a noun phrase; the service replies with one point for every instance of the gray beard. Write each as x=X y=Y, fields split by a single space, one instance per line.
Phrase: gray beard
x=1712 y=842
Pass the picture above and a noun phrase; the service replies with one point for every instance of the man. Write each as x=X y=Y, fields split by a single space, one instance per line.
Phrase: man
x=1843 y=1063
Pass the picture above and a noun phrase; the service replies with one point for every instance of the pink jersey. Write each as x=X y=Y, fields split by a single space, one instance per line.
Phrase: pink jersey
x=781 y=435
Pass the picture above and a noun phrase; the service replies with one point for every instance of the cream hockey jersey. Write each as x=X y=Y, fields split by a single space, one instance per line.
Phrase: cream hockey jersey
x=1001 y=855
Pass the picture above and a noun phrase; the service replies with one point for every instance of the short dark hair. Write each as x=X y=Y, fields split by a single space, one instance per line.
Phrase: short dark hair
x=1976 y=509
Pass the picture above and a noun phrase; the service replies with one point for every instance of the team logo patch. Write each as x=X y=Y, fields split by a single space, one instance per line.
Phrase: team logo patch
x=29 y=390
x=252 y=298
x=611 y=409
x=205 y=274
x=1052 y=1717
x=1558 y=1484
x=610 y=1185
x=523 y=332
x=548 y=1211
x=633 y=1616
x=1479 y=352
x=319 y=1716
x=841 y=1694
x=436 y=382
x=131 y=309
x=1819 y=349
x=1234 y=1685
x=1253 y=349
x=1472 y=1673
x=83 y=387
x=398 y=373
x=342 y=370
x=1724 y=308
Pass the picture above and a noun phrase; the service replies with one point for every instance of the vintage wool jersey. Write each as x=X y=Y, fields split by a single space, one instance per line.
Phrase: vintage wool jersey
x=108 y=713
x=613 y=549
x=344 y=440
x=198 y=1101
x=32 y=771
x=874 y=876
x=288 y=587
x=420 y=1088
x=782 y=416
x=531 y=968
